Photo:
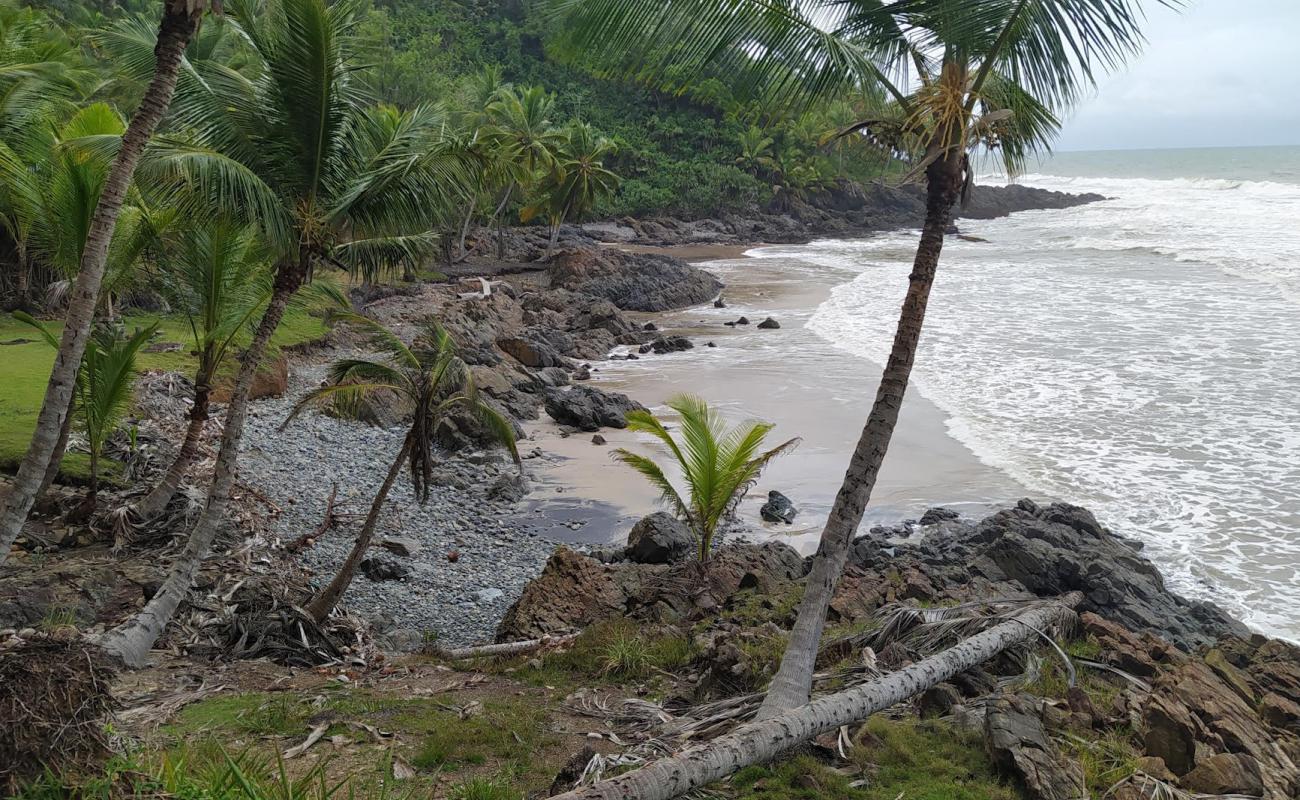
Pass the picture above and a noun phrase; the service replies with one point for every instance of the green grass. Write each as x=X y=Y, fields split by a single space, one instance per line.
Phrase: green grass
x=253 y=714
x=27 y=369
x=608 y=652
x=926 y=760
x=800 y=778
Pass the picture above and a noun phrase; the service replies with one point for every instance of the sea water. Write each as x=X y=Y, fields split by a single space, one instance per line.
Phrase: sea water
x=1139 y=356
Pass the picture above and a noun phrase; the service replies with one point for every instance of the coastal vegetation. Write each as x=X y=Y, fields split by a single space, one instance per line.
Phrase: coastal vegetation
x=718 y=464
x=394 y=186
x=426 y=380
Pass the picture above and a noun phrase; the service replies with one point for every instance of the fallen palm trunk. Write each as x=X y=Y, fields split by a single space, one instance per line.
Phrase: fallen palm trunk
x=503 y=649
x=762 y=740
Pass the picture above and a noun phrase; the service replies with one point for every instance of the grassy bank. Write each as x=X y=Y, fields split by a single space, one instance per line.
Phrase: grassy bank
x=27 y=363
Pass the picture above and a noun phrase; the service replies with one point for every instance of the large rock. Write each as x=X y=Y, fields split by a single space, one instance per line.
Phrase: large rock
x=1192 y=714
x=659 y=538
x=778 y=508
x=589 y=408
x=532 y=352
x=1048 y=551
x=634 y=281
x=1225 y=773
x=1014 y=735
x=576 y=590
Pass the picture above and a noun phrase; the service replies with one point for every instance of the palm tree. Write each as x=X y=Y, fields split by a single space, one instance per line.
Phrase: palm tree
x=218 y=275
x=41 y=73
x=426 y=379
x=329 y=181
x=984 y=72
x=103 y=391
x=526 y=134
x=577 y=181
x=755 y=149
x=179 y=19
x=718 y=465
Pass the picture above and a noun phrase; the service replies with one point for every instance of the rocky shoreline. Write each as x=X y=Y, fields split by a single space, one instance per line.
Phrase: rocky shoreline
x=532 y=338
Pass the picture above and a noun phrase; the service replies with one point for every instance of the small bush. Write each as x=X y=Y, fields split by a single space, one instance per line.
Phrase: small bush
x=626 y=656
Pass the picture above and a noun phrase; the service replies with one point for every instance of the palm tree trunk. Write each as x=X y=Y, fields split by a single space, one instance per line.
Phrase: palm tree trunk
x=793 y=682
x=555 y=237
x=174 y=34
x=156 y=501
x=132 y=639
x=323 y=603
x=496 y=217
x=56 y=458
x=461 y=255
x=762 y=740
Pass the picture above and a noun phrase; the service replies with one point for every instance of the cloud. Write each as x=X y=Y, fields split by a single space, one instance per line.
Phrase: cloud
x=1222 y=72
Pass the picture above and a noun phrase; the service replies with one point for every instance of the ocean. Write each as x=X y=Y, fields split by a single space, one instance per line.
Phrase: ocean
x=1139 y=356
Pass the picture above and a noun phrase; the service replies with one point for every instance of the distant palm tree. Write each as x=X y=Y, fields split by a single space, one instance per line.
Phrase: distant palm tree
x=293 y=147
x=718 y=465
x=982 y=73
x=755 y=149
x=179 y=20
x=103 y=391
x=425 y=379
x=577 y=180
x=523 y=127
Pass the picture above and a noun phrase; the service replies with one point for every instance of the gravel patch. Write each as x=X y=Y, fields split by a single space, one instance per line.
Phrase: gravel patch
x=460 y=602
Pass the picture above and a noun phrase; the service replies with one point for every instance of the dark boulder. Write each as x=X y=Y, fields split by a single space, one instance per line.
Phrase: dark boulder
x=668 y=344
x=589 y=408
x=634 y=281
x=659 y=538
x=384 y=568
x=511 y=488
x=769 y=324
x=778 y=508
x=1048 y=551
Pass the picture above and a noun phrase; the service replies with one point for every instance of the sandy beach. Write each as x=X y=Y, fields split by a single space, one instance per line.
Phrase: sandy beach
x=792 y=377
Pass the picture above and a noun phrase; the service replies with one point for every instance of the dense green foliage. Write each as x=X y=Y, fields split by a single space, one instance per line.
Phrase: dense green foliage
x=676 y=152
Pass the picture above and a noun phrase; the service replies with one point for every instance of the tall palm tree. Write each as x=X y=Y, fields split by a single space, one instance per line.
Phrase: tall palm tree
x=525 y=131
x=577 y=180
x=328 y=180
x=426 y=379
x=179 y=19
x=218 y=275
x=718 y=465
x=983 y=72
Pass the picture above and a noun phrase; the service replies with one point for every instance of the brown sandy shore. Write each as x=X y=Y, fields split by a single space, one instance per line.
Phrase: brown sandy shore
x=792 y=377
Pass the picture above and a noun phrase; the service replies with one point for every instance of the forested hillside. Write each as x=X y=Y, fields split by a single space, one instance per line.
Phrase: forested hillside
x=693 y=154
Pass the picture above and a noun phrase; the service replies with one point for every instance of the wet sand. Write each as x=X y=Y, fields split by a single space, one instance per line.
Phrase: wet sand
x=792 y=377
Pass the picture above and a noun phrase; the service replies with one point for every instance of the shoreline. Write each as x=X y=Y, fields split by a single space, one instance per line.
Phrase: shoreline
x=748 y=375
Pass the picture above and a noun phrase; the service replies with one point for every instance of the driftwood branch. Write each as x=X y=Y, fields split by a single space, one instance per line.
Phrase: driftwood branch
x=760 y=741
x=329 y=520
x=503 y=649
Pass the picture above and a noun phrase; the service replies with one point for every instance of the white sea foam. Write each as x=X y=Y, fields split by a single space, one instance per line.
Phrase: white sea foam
x=1112 y=355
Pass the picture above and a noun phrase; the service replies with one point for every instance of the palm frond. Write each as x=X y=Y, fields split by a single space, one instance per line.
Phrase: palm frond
x=380 y=338
x=655 y=474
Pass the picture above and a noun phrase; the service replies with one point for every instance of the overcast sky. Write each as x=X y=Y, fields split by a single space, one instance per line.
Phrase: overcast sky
x=1218 y=72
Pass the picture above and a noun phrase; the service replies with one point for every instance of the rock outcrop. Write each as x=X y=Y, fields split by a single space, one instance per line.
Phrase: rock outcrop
x=634 y=281
x=576 y=590
x=590 y=409
x=659 y=538
x=1046 y=551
